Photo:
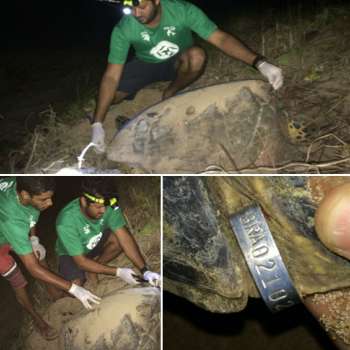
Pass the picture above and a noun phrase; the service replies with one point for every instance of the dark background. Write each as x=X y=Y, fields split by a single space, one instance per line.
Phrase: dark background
x=188 y=327
x=76 y=22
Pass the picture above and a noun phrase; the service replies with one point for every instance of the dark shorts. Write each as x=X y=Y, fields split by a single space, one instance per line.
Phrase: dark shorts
x=70 y=271
x=137 y=74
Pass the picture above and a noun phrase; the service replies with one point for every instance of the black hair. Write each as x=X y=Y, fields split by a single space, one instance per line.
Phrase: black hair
x=35 y=185
x=98 y=186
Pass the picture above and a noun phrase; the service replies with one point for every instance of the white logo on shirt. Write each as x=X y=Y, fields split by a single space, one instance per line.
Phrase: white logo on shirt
x=31 y=221
x=170 y=31
x=145 y=36
x=86 y=229
x=94 y=241
x=5 y=185
x=164 y=50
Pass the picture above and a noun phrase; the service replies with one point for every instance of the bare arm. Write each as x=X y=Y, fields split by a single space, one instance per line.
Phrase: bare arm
x=39 y=272
x=108 y=87
x=232 y=46
x=90 y=265
x=130 y=247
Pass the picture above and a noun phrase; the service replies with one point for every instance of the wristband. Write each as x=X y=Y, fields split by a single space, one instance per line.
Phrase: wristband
x=258 y=59
x=263 y=259
x=144 y=269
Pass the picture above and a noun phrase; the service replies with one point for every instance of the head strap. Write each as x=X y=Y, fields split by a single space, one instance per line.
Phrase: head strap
x=104 y=201
x=131 y=3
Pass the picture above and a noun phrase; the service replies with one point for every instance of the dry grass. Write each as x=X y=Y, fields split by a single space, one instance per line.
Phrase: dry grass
x=49 y=141
x=312 y=49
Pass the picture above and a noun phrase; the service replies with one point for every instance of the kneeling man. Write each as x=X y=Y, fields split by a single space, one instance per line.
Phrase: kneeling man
x=91 y=232
x=22 y=199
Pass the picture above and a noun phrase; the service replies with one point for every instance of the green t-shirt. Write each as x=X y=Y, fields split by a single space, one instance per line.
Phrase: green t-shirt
x=78 y=235
x=173 y=34
x=16 y=219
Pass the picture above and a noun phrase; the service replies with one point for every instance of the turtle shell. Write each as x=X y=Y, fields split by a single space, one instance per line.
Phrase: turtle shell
x=232 y=125
x=202 y=260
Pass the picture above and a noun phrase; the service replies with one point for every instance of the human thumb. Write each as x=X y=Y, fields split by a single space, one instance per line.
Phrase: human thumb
x=332 y=220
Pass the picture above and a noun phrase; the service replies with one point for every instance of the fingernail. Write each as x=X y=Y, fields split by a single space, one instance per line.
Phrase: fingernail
x=333 y=221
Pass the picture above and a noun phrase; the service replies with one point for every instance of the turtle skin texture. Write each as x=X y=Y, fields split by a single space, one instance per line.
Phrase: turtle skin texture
x=202 y=260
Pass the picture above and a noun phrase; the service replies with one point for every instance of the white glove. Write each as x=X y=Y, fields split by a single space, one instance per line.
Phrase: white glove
x=84 y=296
x=128 y=275
x=98 y=137
x=272 y=73
x=152 y=278
x=38 y=249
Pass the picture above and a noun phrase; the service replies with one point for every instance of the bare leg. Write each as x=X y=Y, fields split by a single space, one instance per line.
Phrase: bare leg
x=44 y=328
x=111 y=250
x=191 y=66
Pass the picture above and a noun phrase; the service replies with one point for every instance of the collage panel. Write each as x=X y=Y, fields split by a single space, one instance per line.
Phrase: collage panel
x=254 y=262
x=80 y=262
x=174 y=87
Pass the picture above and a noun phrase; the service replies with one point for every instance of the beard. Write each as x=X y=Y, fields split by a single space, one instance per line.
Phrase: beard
x=153 y=14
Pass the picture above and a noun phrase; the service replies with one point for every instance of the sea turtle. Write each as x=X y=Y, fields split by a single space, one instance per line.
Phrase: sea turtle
x=232 y=126
x=202 y=260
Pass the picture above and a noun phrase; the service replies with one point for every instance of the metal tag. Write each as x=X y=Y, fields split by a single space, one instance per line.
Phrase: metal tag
x=263 y=259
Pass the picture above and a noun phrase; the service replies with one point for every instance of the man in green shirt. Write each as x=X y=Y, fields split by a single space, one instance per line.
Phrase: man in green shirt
x=91 y=232
x=160 y=31
x=21 y=201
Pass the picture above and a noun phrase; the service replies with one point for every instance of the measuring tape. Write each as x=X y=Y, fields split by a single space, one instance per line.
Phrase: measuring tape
x=263 y=259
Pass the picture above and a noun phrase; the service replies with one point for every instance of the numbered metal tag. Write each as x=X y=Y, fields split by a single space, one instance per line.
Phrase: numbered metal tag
x=263 y=259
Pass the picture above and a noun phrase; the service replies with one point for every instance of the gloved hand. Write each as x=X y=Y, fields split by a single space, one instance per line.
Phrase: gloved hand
x=128 y=275
x=98 y=137
x=272 y=73
x=152 y=278
x=84 y=296
x=38 y=249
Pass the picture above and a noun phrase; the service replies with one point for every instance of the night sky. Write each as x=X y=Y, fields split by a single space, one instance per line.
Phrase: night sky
x=63 y=22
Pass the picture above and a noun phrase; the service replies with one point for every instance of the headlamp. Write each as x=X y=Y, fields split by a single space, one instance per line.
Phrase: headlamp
x=112 y=202
x=127 y=4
